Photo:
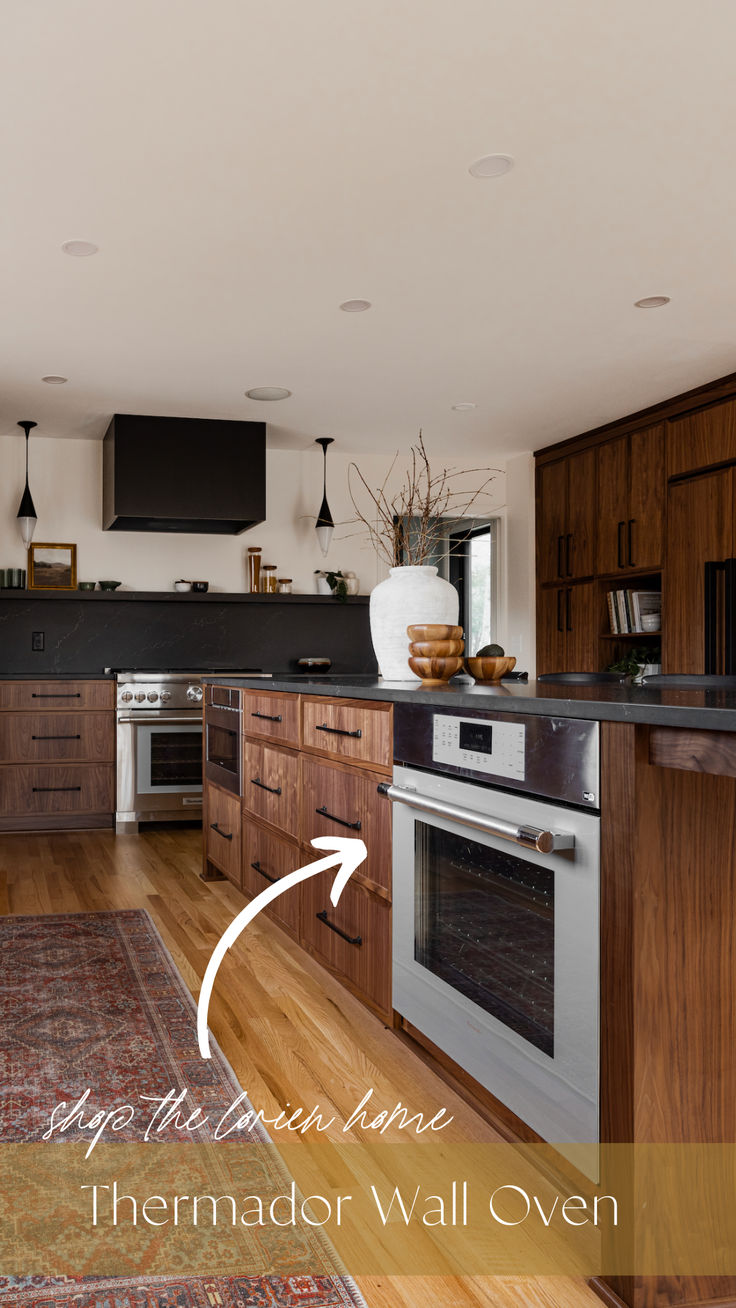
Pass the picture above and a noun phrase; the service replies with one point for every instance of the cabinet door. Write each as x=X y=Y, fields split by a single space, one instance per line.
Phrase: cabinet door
x=700 y=439
x=551 y=520
x=644 y=523
x=613 y=504
x=582 y=513
x=551 y=629
x=699 y=530
x=581 y=648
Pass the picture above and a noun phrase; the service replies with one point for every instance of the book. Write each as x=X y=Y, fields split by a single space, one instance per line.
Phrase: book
x=644 y=603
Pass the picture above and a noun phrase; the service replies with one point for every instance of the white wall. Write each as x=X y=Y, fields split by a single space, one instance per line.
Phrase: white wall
x=66 y=483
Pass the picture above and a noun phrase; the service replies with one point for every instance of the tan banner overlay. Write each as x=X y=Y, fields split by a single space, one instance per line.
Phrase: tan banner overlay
x=363 y=1209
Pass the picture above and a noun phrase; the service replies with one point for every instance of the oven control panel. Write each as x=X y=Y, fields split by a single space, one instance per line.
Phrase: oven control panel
x=493 y=747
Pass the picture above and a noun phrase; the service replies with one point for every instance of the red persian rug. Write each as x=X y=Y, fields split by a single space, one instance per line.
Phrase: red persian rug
x=95 y=1000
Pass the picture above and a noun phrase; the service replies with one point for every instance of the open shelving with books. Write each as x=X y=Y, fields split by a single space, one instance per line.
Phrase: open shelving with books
x=621 y=605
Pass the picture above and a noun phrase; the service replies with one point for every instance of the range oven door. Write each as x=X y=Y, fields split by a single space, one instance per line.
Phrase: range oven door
x=496 y=945
x=159 y=771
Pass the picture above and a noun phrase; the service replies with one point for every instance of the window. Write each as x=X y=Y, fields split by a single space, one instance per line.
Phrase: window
x=472 y=569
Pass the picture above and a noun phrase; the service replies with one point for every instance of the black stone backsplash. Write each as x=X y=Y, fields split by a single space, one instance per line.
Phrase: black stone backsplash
x=85 y=633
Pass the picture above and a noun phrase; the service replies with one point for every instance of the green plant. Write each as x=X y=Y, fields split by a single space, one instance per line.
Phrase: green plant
x=632 y=662
x=338 y=585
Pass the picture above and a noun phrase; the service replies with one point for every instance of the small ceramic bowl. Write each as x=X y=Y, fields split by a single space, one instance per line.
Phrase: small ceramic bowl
x=434 y=631
x=435 y=672
x=109 y=585
x=182 y=585
x=314 y=665
x=488 y=670
x=86 y=585
x=201 y=587
x=436 y=649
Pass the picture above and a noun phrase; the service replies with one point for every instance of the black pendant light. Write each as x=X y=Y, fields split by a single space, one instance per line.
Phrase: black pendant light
x=26 y=513
x=324 y=526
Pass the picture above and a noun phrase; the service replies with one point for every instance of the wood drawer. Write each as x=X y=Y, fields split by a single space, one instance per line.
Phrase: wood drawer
x=271 y=785
x=366 y=966
x=274 y=716
x=222 y=833
x=273 y=858
x=354 y=730
x=50 y=789
x=57 y=695
x=50 y=737
x=352 y=807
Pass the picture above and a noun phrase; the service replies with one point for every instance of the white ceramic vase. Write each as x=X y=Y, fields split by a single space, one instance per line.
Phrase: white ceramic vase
x=409 y=595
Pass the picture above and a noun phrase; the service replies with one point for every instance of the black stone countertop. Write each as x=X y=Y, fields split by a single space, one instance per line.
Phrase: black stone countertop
x=713 y=710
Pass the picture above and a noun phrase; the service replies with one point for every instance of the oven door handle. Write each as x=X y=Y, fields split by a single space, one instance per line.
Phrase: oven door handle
x=545 y=842
x=140 y=721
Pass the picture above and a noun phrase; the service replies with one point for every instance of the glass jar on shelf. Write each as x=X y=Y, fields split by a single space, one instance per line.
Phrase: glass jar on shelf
x=284 y=586
x=254 y=569
x=269 y=583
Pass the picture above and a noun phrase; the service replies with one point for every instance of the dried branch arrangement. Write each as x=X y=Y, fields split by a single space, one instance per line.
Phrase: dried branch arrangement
x=405 y=526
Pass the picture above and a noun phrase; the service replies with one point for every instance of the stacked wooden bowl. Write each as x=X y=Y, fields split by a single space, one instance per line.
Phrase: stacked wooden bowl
x=436 y=652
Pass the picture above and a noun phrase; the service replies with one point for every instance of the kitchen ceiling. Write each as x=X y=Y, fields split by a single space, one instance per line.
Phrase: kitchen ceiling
x=245 y=168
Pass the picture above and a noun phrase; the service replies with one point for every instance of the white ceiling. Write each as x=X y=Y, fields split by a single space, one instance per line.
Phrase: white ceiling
x=246 y=165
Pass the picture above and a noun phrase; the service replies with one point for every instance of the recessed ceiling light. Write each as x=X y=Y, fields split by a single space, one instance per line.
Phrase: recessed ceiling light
x=652 y=302
x=464 y=407
x=268 y=393
x=80 y=249
x=491 y=165
x=54 y=381
x=355 y=306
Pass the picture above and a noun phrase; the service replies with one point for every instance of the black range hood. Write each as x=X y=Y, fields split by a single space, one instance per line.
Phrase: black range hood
x=183 y=474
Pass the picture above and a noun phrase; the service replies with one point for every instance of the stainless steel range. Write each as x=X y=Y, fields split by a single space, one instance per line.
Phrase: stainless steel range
x=159 y=745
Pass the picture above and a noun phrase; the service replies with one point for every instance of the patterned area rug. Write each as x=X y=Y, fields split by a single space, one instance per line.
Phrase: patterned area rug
x=95 y=999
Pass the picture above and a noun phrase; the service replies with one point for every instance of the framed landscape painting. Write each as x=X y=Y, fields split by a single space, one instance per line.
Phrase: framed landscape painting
x=52 y=567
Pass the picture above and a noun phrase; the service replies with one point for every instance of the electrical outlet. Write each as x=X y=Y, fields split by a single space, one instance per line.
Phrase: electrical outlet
x=38 y=640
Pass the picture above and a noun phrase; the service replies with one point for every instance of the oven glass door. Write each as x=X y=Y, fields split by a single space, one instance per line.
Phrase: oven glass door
x=168 y=758
x=496 y=948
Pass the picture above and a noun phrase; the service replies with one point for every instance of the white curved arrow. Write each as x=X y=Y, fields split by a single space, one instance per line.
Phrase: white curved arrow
x=348 y=853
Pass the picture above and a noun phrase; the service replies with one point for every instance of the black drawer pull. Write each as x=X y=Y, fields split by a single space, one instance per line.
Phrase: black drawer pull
x=77 y=737
x=226 y=835
x=352 y=940
x=272 y=790
x=267 y=717
x=42 y=790
x=56 y=694
x=354 y=826
x=337 y=731
x=257 y=868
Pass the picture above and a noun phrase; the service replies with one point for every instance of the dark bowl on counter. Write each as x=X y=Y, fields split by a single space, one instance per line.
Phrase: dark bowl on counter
x=314 y=664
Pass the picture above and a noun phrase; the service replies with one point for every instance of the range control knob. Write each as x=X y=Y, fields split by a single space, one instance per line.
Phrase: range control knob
x=194 y=694
x=153 y=696
x=165 y=696
x=126 y=696
x=140 y=696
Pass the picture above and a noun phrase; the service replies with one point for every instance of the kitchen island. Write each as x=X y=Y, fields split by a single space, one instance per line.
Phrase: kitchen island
x=667 y=911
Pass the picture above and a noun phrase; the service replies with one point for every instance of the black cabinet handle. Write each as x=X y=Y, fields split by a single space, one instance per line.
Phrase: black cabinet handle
x=226 y=835
x=267 y=717
x=620 y=544
x=352 y=940
x=354 y=826
x=42 y=790
x=56 y=694
x=337 y=731
x=272 y=790
x=568 y=544
x=77 y=737
x=257 y=868
x=560 y=573
x=568 y=593
x=631 y=557
x=559 y=610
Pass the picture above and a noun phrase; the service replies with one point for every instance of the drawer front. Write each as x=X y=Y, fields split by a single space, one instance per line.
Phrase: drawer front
x=222 y=834
x=275 y=717
x=51 y=789
x=362 y=953
x=222 y=696
x=337 y=801
x=266 y=859
x=271 y=785
x=353 y=730
x=42 y=695
x=49 y=737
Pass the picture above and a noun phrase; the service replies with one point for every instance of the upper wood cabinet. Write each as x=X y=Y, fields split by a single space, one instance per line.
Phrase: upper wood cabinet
x=701 y=438
x=566 y=517
x=631 y=492
x=700 y=530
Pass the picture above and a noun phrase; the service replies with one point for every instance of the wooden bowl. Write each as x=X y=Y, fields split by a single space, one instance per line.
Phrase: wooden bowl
x=436 y=649
x=433 y=631
x=435 y=672
x=485 y=671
